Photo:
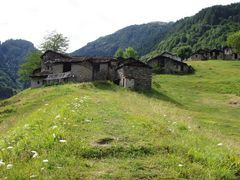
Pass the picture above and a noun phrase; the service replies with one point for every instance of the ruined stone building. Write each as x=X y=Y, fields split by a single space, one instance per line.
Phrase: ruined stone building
x=205 y=54
x=59 y=68
x=165 y=64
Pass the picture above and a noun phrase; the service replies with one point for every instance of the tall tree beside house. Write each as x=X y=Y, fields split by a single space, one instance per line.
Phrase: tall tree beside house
x=130 y=53
x=55 y=41
x=233 y=40
x=118 y=53
x=33 y=61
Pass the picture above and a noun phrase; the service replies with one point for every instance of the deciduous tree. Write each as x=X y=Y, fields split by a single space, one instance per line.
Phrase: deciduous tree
x=233 y=40
x=130 y=53
x=33 y=61
x=55 y=41
x=119 y=53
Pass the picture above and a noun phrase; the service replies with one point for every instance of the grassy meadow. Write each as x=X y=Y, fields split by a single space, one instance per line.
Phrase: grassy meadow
x=186 y=127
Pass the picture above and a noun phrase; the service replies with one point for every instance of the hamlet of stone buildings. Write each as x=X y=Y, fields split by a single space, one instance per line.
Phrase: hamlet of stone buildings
x=222 y=54
x=59 y=68
x=130 y=73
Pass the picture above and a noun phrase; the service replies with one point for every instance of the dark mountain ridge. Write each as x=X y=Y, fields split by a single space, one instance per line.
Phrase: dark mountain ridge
x=12 y=54
x=142 y=37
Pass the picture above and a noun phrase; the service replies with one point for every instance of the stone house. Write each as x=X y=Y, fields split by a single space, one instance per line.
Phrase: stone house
x=170 y=55
x=200 y=54
x=166 y=65
x=60 y=68
x=230 y=55
x=216 y=54
x=134 y=74
x=225 y=54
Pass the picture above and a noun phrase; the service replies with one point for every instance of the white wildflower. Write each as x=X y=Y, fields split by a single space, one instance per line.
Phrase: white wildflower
x=45 y=161
x=62 y=141
x=174 y=122
x=2 y=163
x=26 y=126
x=33 y=176
x=180 y=165
x=59 y=167
x=220 y=144
x=54 y=127
x=87 y=121
x=46 y=104
x=57 y=117
x=165 y=115
x=9 y=147
x=35 y=154
x=9 y=166
x=42 y=168
x=54 y=135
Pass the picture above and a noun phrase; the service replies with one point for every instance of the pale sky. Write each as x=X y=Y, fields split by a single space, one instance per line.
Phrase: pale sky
x=83 y=21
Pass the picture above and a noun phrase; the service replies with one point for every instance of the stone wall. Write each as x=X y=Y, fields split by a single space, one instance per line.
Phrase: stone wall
x=57 y=68
x=100 y=71
x=36 y=82
x=82 y=72
x=166 y=65
x=135 y=77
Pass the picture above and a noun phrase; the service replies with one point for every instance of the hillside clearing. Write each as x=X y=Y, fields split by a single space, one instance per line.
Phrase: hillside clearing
x=186 y=127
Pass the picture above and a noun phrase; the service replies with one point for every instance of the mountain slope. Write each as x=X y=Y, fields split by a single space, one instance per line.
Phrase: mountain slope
x=102 y=131
x=12 y=54
x=141 y=37
x=207 y=29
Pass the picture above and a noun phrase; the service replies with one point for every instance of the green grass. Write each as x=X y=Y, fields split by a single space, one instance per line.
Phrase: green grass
x=185 y=127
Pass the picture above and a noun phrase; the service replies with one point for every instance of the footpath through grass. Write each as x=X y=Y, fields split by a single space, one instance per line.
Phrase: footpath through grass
x=186 y=127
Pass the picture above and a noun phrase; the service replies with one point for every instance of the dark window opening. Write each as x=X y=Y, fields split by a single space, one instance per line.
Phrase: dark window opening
x=235 y=56
x=182 y=68
x=97 y=67
x=67 y=67
x=38 y=82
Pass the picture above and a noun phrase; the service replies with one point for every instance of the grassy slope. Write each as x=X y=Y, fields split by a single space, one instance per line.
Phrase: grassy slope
x=171 y=132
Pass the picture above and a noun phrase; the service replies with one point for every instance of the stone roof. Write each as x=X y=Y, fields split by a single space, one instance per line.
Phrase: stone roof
x=59 y=76
x=160 y=57
x=60 y=54
x=170 y=55
x=131 y=62
x=84 y=59
x=36 y=73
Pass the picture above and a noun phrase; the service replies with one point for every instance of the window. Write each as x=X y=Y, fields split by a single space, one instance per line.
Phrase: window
x=67 y=67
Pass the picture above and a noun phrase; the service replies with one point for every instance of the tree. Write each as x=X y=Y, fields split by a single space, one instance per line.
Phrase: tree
x=233 y=40
x=130 y=53
x=33 y=61
x=118 y=53
x=56 y=42
x=184 y=52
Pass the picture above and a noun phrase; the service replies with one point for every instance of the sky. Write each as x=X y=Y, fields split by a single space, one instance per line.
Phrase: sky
x=83 y=21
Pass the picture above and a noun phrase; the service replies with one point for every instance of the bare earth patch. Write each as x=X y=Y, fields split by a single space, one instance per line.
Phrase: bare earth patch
x=104 y=141
x=234 y=102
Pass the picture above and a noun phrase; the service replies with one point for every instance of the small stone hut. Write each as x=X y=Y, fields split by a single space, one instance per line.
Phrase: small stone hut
x=200 y=54
x=225 y=54
x=170 y=55
x=166 y=65
x=216 y=54
x=134 y=74
x=230 y=55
